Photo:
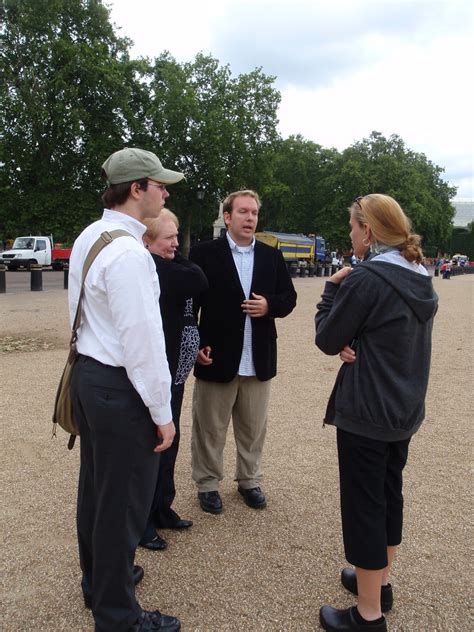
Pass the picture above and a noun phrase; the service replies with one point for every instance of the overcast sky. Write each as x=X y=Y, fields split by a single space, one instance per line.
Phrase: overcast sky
x=344 y=68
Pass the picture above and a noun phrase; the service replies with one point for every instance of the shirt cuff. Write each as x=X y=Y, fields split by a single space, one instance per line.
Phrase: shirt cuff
x=161 y=415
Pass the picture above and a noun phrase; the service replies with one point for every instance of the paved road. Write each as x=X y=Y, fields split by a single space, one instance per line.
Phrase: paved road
x=20 y=281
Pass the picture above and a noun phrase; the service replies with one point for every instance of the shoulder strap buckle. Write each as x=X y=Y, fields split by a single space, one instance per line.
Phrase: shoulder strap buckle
x=106 y=236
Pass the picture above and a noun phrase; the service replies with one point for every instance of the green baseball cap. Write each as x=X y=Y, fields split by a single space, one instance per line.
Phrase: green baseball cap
x=131 y=164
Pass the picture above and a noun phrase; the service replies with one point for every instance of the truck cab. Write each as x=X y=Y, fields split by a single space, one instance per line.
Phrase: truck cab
x=27 y=251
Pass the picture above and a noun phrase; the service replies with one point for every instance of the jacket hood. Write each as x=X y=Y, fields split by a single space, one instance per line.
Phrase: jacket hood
x=414 y=288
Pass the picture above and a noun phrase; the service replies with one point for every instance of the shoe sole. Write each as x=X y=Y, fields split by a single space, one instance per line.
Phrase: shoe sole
x=211 y=510
x=262 y=506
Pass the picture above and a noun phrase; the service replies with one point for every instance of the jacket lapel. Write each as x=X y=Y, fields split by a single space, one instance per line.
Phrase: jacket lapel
x=258 y=267
x=227 y=260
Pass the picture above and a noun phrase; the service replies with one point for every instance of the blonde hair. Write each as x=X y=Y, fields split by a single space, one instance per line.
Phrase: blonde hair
x=388 y=223
x=153 y=224
x=229 y=201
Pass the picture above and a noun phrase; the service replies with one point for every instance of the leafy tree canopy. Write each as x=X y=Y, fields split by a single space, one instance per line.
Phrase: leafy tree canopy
x=72 y=96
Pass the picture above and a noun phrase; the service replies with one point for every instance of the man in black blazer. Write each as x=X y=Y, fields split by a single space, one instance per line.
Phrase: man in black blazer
x=249 y=286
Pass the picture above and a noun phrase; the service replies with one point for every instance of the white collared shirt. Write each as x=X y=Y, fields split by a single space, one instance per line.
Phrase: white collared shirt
x=121 y=320
x=243 y=258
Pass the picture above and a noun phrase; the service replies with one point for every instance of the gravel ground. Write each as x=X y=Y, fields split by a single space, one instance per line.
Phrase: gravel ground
x=244 y=570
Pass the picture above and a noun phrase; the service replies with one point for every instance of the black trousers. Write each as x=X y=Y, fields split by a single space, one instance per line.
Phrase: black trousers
x=161 y=514
x=116 y=484
x=370 y=475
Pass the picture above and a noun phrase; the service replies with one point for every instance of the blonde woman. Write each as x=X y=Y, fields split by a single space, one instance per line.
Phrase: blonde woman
x=180 y=282
x=379 y=317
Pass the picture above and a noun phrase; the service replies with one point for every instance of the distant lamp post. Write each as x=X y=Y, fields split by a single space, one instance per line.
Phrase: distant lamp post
x=200 y=193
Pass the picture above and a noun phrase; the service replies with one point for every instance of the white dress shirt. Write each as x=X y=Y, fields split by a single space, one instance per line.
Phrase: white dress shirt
x=121 y=320
x=243 y=258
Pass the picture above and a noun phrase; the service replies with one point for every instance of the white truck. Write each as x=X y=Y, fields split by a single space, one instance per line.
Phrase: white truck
x=35 y=249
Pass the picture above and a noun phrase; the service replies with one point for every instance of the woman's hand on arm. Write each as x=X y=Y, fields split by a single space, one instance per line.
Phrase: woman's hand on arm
x=340 y=275
x=348 y=355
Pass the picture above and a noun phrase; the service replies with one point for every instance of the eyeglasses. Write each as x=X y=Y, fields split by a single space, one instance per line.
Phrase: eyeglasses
x=162 y=187
x=357 y=201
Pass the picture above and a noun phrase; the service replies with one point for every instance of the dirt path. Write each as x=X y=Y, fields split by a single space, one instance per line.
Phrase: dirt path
x=243 y=570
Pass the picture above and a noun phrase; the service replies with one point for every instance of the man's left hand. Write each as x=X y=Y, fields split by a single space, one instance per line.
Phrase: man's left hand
x=255 y=307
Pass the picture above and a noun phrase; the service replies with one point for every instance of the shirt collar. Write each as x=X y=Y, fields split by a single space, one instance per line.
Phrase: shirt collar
x=234 y=246
x=130 y=224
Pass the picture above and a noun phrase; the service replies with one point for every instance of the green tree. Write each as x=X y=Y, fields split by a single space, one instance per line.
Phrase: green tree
x=381 y=165
x=217 y=129
x=67 y=90
x=301 y=185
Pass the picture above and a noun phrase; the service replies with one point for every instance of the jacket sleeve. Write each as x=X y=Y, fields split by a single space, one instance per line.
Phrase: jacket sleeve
x=283 y=301
x=341 y=314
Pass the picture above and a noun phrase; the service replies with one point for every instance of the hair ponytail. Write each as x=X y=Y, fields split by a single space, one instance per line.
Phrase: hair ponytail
x=411 y=249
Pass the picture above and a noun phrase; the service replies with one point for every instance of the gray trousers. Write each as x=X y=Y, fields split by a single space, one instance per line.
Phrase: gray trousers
x=245 y=399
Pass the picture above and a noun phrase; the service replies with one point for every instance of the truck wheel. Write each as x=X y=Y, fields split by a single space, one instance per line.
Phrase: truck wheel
x=29 y=263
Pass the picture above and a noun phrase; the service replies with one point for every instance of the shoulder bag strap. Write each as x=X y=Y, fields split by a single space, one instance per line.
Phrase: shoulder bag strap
x=104 y=240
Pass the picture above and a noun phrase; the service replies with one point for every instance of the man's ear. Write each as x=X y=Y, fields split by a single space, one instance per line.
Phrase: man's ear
x=135 y=190
x=226 y=216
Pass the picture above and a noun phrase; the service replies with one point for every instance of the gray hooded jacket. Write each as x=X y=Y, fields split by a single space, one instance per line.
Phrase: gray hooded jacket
x=386 y=312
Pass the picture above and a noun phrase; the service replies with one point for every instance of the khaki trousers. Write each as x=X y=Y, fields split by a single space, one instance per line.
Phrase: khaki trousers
x=246 y=400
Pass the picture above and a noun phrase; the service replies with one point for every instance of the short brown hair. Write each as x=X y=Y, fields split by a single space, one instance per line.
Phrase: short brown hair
x=117 y=194
x=388 y=223
x=229 y=201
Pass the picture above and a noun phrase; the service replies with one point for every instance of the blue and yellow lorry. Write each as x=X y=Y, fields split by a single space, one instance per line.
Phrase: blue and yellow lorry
x=296 y=248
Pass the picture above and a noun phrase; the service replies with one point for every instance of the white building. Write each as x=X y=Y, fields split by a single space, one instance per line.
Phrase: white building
x=464 y=212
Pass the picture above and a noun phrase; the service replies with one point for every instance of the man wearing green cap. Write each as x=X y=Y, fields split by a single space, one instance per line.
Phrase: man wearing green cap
x=121 y=391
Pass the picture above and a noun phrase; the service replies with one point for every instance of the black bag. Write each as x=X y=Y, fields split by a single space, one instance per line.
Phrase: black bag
x=63 y=413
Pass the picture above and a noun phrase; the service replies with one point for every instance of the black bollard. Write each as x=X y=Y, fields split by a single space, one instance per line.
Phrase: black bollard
x=3 y=281
x=293 y=270
x=327 y=270
x=319 y=270
x=436 y=272
x=36 y=278
x=66 y=276
x=311 y=270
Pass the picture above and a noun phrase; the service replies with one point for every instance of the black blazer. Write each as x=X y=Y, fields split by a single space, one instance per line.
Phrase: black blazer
x=221 y=321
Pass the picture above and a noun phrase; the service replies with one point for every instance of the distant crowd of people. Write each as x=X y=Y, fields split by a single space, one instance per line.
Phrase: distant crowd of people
x=150 y=317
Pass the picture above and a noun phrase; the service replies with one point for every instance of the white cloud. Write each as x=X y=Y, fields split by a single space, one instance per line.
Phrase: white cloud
x=344 y=68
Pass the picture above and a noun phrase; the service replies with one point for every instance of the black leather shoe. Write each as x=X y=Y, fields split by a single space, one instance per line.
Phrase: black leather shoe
x=210 y=502
x=254 y=497
x=151 y=621
x=157 y=544
x=138 y=574
x=181 y=524
x=349 y=581
x=335 y=620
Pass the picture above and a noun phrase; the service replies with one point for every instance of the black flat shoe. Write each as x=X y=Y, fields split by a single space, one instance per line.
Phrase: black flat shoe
x=349 y=581
x=138 y=574
x=180 y=524
x=254 y=497
x=210 y=502
x=334 y=620
x=157 y=544
x=152 y=621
